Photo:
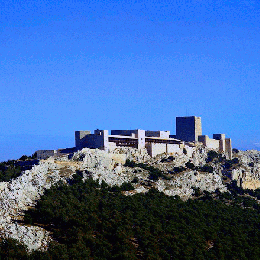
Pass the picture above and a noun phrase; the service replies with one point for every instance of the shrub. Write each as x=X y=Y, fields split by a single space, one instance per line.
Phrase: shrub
x=251 y=164
x=126 y=186
x=129 y=163
x=207 y=168
x=154 y=172
x=178 y=169
x=234 y=150
x=135 y=180
x=169 y=159
x=196 y=191
x=190 y=165
x=235 y=161
x=231 y=163
x=212 y=155
x=24 y=158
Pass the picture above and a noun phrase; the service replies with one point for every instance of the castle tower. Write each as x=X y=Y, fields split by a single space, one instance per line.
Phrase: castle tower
x=188 y=128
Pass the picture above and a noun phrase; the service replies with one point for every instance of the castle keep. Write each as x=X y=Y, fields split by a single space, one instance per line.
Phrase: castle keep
x=188 y=128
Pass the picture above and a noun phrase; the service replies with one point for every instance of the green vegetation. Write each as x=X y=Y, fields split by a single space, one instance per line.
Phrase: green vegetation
x=206 y=168
x=190 y=165
x=214 y=156
x=251 y=164
x=12 y=249
x=168 y=159
x=235 y=150
x=9 y=170
x=178 y=169
x=91 y=221
x=231 y=164
x=25 y=157
x=154 y=172
x=13 y=168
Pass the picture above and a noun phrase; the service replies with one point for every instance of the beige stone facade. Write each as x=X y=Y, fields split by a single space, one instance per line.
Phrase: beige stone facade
x=188 y=133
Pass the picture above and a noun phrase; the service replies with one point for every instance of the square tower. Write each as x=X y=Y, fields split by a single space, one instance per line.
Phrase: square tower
x=188 y=128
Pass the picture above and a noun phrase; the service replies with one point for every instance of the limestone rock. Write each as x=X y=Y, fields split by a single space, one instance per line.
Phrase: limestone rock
x=21 y=193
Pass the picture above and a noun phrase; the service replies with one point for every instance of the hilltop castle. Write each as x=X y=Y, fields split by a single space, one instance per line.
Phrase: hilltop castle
x=188 y=135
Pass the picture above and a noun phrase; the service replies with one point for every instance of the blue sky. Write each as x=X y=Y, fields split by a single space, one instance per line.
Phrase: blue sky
x=83 y=65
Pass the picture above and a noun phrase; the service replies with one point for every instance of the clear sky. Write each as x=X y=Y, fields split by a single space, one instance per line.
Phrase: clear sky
x=82 y=65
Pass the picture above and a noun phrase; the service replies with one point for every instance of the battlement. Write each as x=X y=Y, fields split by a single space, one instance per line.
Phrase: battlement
x=188 y=131
x=188 y=135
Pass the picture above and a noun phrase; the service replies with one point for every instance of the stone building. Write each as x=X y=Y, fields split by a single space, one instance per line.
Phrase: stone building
x=156 y=142
x=188 y=135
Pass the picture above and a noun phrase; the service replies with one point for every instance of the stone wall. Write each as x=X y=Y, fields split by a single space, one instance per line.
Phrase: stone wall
x=228 y=148
x=44 y=154
x=97 y=140
x=198 y=127
x=80 y=138
x=208 y=142
x=174 y=148
x=154 y=149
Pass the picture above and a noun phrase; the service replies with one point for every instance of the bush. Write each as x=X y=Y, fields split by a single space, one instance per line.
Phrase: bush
x=229 y=164
x=169 y=159
x=24 y=158
x=12 y=249
x=207 y=168
x=235 y=161
x=154 y=172
x=251 y=164
x=129 y=163
x=211 y=156
x=135 y=180
x=178 y=169
x=126 y=186
x=196 y=192
x=234 y=150
x=190 y=165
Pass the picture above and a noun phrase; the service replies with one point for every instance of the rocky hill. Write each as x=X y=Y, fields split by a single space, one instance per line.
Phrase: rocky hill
x=174 y=175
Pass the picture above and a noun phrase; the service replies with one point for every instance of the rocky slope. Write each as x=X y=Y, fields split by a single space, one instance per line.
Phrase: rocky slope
x=21 y=193
x=247 y=172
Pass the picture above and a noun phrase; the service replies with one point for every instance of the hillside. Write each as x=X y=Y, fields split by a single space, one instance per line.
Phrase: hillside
x=180 y=175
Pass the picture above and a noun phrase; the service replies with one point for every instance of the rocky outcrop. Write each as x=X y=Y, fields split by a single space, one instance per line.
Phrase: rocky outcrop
x=247 y=173
x=21 y=193
x=183 y=184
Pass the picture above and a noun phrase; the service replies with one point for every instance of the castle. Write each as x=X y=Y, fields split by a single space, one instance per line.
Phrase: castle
x=188 y=135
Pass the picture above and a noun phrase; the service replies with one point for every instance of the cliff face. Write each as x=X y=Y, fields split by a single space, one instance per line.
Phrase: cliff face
x=178 y=179
x=247 y=173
